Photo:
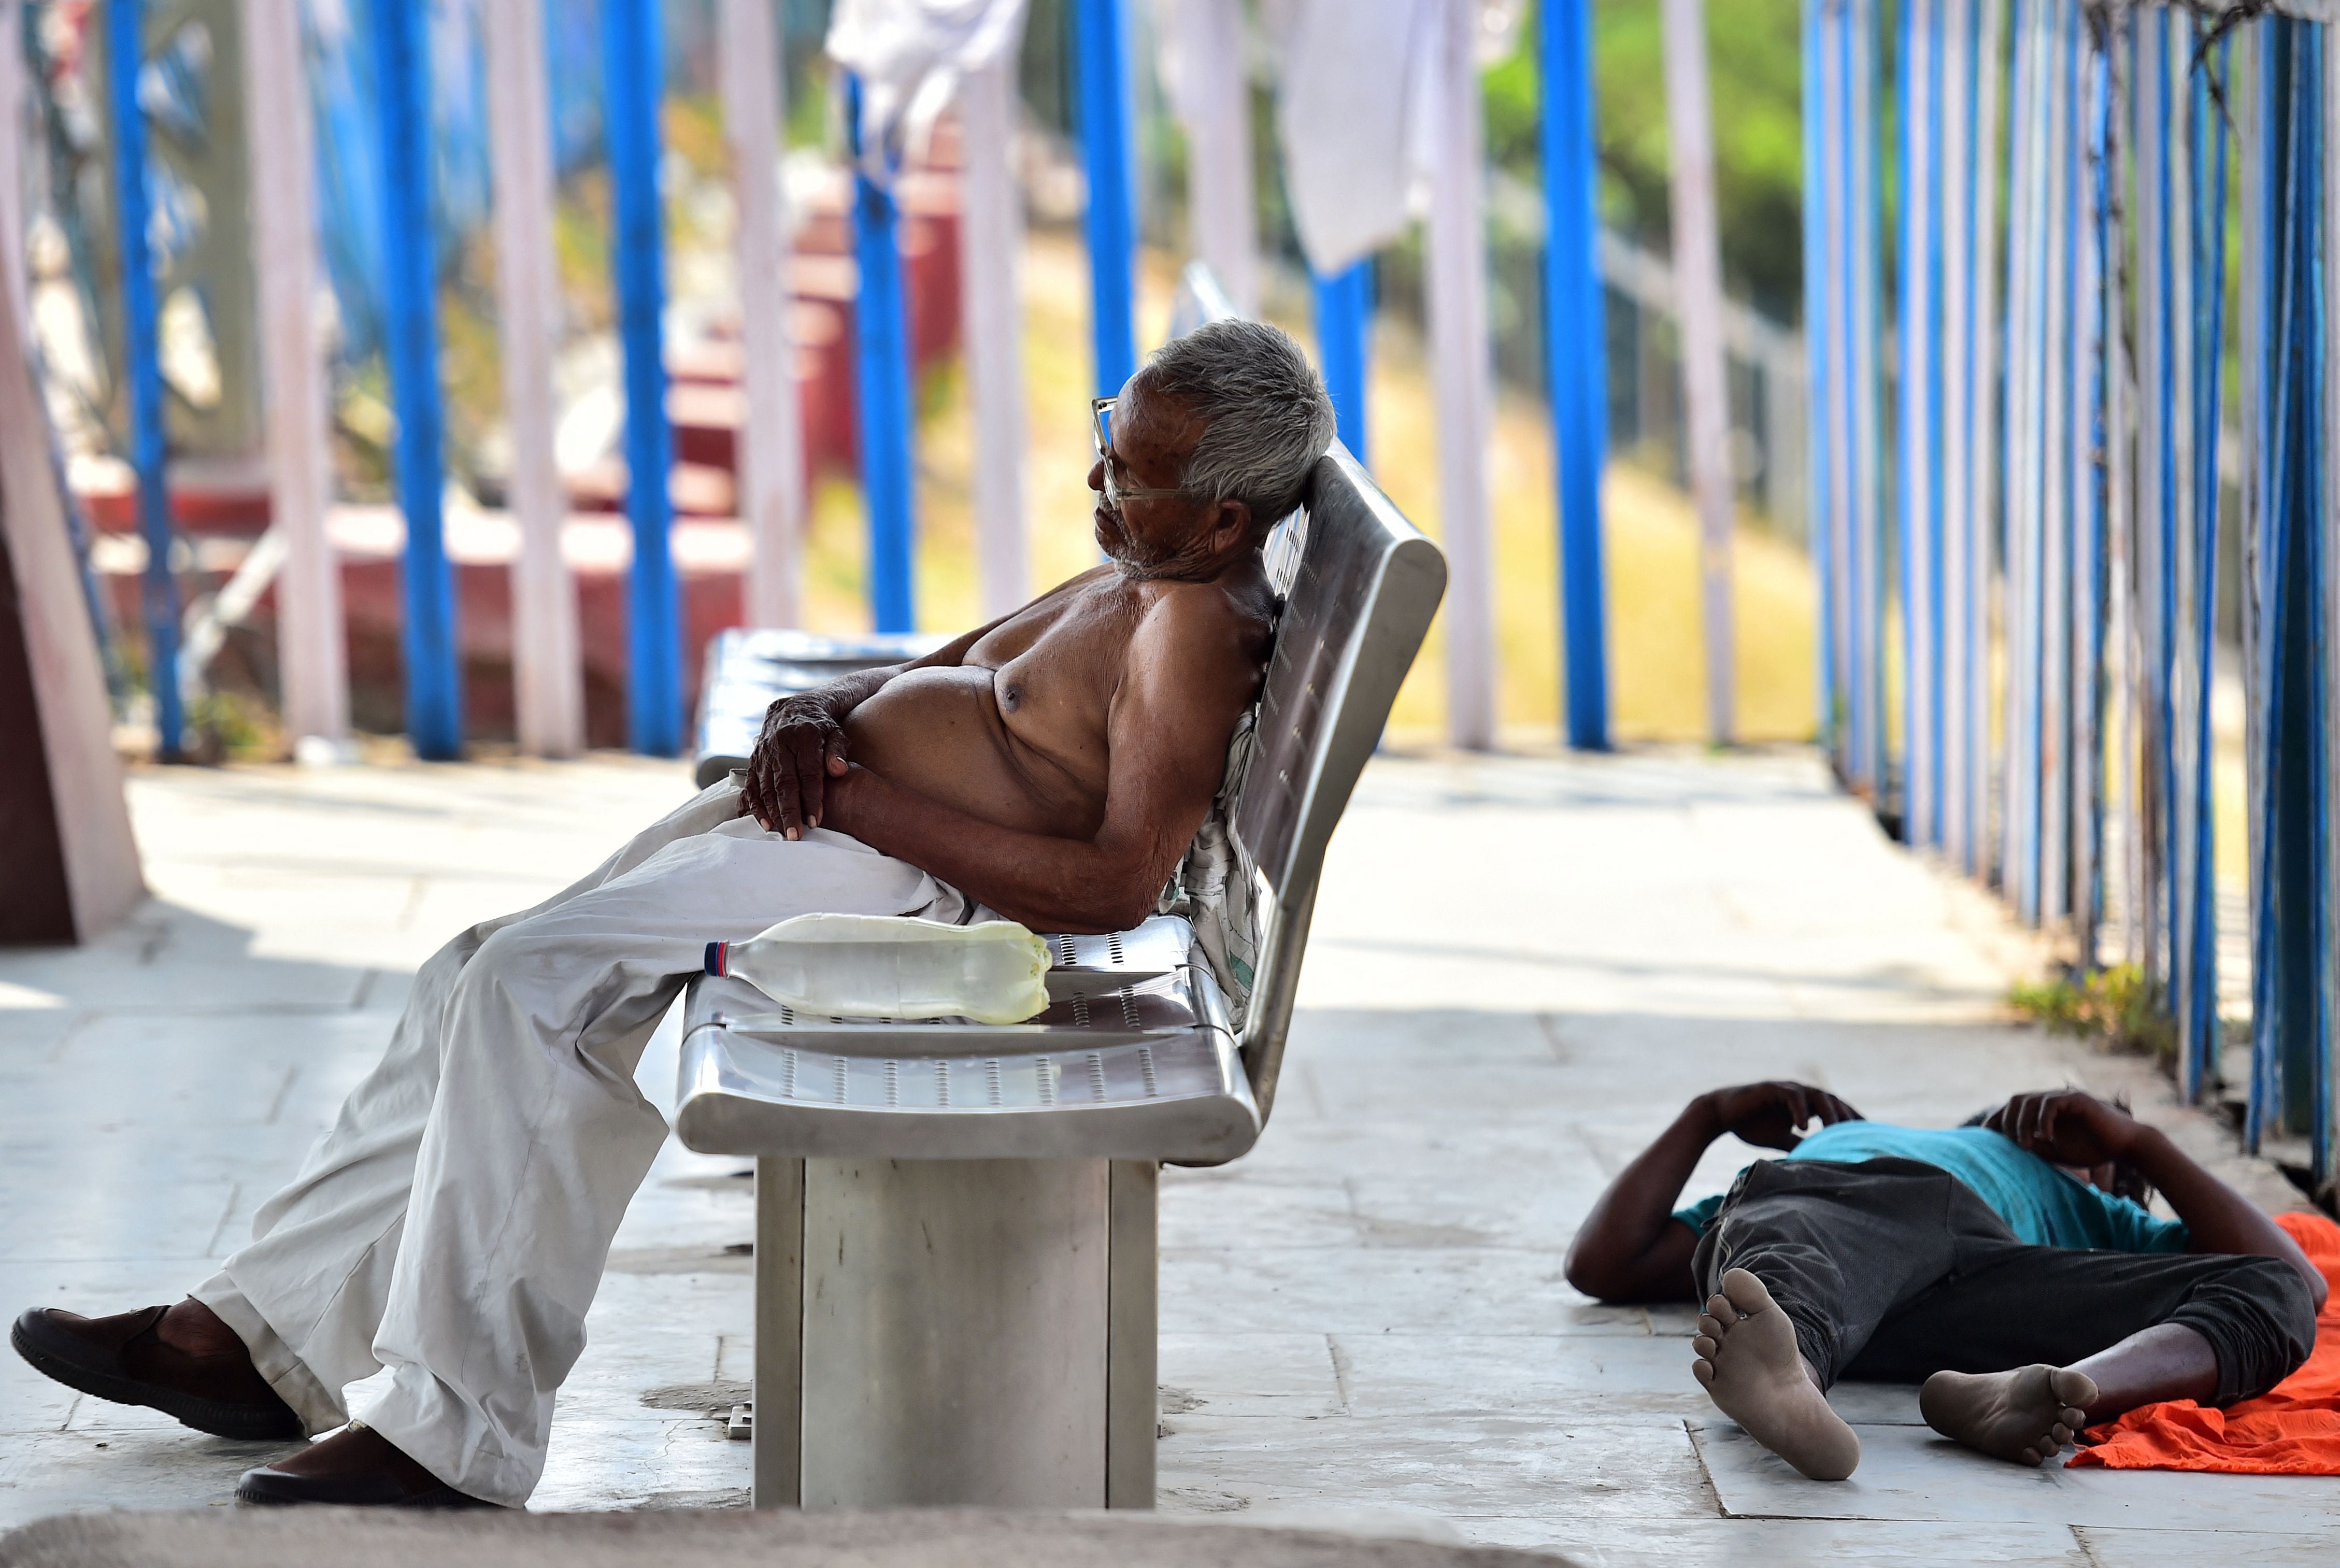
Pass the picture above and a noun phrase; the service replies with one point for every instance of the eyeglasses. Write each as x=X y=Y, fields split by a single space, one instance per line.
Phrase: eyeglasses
x=1101 y=432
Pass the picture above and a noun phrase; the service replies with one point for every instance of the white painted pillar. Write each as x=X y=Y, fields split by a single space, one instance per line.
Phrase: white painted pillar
x=991 y=241
x=1461 y=377
x=1215 y=100
x=88 y=822
x=1698 y=278
x=309 y=635
x=547 y=668
x=14 y=287
x=771 y=444
x=1956 y=156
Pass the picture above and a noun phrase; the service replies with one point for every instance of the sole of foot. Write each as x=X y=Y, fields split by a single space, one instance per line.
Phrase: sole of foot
x=2025 y=1416
x=1749 y=1366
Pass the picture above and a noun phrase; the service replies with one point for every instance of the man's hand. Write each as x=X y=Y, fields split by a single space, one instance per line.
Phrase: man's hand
x=2067 y=1127
x=801 y=748
x=1769 y=1114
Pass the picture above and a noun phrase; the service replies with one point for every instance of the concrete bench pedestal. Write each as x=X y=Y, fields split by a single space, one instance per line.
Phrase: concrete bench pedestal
x=937 y=1331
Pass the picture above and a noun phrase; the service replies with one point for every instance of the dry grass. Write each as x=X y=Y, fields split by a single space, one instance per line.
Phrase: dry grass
x=1656 y=659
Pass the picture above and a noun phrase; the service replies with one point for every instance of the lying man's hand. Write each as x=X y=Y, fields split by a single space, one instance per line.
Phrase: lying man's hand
x=802 y=746
x=2067 y=1127
x=1768 y=1113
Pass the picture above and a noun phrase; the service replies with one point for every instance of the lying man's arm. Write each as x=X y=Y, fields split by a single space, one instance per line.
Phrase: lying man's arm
x=1630 y=1247
x=2069 y=1128
x=1187 y=679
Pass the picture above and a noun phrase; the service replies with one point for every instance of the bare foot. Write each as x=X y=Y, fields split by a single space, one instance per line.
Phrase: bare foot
x=2026 y=1415
x=1755 y=1375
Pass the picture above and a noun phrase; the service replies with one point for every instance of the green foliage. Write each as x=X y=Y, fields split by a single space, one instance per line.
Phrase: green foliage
x=231 y=725
x=1754 y=56
x=2119 y=1008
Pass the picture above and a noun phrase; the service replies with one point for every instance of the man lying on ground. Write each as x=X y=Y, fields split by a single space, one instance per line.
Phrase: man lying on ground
x=1991 y=1262
x=425 y=1278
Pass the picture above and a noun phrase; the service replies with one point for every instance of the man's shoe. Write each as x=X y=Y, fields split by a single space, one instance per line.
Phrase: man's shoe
x=356 y=1466
x=126 y=1359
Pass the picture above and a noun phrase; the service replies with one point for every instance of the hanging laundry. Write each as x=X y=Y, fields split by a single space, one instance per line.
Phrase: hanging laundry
x=909 y=55
x=1354 y=114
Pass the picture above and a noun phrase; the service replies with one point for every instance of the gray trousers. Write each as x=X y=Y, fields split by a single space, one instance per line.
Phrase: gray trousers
x=1893 y=1270
x=429 y=1269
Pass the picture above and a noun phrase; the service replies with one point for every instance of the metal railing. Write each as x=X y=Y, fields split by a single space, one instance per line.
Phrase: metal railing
x=2019 y=559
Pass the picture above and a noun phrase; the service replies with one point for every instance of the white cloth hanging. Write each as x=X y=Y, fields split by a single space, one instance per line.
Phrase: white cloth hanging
x=909 y=55
x=1203 y=55
x=1354 y=114
x=1348 y=116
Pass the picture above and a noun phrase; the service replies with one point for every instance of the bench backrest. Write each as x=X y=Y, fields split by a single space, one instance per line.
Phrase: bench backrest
x=1364 y=584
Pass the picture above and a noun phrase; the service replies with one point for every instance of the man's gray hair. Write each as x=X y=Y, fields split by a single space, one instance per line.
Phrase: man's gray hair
x=1267 y=416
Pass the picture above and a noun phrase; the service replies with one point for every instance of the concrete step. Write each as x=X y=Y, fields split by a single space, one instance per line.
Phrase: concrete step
x=710 y=554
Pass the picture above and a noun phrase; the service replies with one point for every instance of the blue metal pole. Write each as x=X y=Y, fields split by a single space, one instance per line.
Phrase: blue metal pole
x=1345 y=315
x=125 y=55
x=2290 y=1071
x=1937 y=382
x=1817 y=263
x=435 y=703
x=633 y=78
x=1854 y=131
x=1101 y=87
x=2314 y=912
x=2165 y=394
x=881 y=379
x=2198 y=1020
x=1577 y=361
x=2092 y=515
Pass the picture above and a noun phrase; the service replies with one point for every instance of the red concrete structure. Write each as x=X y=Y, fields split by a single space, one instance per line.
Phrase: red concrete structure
x=708 y=409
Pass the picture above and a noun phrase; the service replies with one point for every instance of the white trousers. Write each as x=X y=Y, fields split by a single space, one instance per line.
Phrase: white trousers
x=429 y=1270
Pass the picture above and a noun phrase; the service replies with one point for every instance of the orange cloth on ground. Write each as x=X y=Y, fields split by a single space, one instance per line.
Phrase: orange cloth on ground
x=2293 y=1429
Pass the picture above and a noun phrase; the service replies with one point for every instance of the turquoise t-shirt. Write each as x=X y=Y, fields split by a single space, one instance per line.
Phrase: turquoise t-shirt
x=2041 y=1204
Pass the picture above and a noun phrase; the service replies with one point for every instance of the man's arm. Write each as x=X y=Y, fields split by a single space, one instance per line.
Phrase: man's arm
x=2069 y=1128
x=803 y=745
x=1188 y=677
x=1630 y=1247
x=803 y=750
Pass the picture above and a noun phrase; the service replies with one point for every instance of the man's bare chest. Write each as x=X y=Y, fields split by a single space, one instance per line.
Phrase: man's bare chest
x=1055 y=683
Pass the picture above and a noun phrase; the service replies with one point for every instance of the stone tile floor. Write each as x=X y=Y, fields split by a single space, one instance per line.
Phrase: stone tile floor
x=1520 y=968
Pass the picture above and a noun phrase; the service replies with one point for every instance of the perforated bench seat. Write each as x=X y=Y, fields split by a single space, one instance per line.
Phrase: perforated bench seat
x=1146 y=1069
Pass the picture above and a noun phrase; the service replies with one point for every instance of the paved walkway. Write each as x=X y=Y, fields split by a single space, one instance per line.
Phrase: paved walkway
x=1519 y=969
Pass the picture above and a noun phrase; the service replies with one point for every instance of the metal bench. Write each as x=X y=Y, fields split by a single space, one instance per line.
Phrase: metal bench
x=954 y=1223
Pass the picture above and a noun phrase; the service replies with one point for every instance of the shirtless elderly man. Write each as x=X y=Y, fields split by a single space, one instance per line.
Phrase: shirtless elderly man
x=423 y=1282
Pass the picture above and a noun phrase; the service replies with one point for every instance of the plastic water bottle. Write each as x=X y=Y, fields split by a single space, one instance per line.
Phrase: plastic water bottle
x=893 y=966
